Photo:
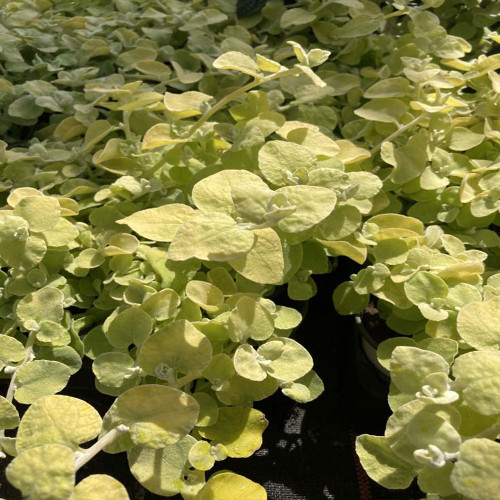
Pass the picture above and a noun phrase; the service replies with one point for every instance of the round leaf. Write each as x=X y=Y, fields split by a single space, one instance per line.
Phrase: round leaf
x=157 y=415
x=179 y=346
x=230 y=486
x=131 y=326
x=98 y=486
x=40 y=378
x=58 y=420
x=239 y=429
x=45 y=472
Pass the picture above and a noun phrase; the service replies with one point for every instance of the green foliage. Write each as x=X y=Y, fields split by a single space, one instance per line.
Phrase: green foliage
x=165 y=168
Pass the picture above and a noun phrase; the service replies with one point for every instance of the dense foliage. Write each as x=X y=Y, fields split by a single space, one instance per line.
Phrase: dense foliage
x=166 y=168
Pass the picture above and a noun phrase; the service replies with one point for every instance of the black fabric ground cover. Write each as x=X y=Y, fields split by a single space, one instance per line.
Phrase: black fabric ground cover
x=308 y=449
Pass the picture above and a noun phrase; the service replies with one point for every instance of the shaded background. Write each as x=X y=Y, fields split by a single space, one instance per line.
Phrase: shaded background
x=308 y=449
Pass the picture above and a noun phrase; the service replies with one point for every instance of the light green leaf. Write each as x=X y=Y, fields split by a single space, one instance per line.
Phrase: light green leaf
x=157 y=416
x=97 y=486
x=478 y=324
x=246 y=363
x=289 y=360
x=9 y=417
x=206 y=295
x=477 y=472
x=211 y=236
x=58 y=420
x=313 y=205
x=161 y=471
x=239 y=429
x=45 y=304
x=158 y=224
x=305 y=389
x=40 y=378
x=214 y=193
x=200 y=457
x=45 y=472
x=179 y=346
x=187 y=104
x=160 y=135
x=317 y=143
x=410 y=365
x=249 y=319
x=483 y=396
x=347 y=301
x=209 y=409
x=264 y=263
x=463 y=139
x=382 y=464
x=230 y=486
x=390 y=87
x=424 y=287
x=382 y=110
x=296 y=17
x=41 y=212
x=427 y=428
x=239 y=62
x=131 y=326
x=11 y=351
x=112 y=368
x=162 y=305
x=278 y=160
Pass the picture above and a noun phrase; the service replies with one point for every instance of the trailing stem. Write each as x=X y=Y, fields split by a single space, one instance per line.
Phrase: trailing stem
x=83 y=457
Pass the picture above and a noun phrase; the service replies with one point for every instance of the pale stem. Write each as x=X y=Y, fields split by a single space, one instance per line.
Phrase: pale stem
x=396 y=13
x=27 y=358
x=83 y=457
x=398 y=132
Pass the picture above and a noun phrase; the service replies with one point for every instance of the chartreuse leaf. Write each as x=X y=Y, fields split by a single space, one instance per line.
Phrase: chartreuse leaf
x=304 y=389
x=212 y=236
x=249 y=319
x=206 y=295
x=264 y=263
x=131 y=326
x=239 y=62
x=382 y=464
x=41 y=212
x=313 y=204
x=11 y=351
x=209 y=409
x=44 y=473
x=178 y=346
x=156 y=415
x=58 y=420
x=246 y=363
x=278 y=160
x=112 y=368
x=45 y=304
x=410 y=365
x=98 y=486
x=230 y=486
x=202 y=455
x=158 y=224
x=162 y=305
x=239 y=429
x=428 y=428
x=347 y=301
x=214 y=193
x=18 y=249
x=9 y=417
x=185 y=105
x=40 y=378
x=161 y=471
x=477 y=324
x=476 y=474
x=289 y=361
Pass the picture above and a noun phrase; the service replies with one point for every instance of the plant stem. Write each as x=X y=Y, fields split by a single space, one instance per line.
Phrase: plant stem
x=233 y=95
x=396 y=13
x=83 y=457
x=27 y=358
x=398 y=132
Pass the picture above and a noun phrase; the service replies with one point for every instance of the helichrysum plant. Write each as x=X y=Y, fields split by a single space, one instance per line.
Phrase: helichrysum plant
x=165 y=169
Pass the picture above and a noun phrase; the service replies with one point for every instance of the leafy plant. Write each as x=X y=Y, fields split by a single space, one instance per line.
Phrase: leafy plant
x=166 y=168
